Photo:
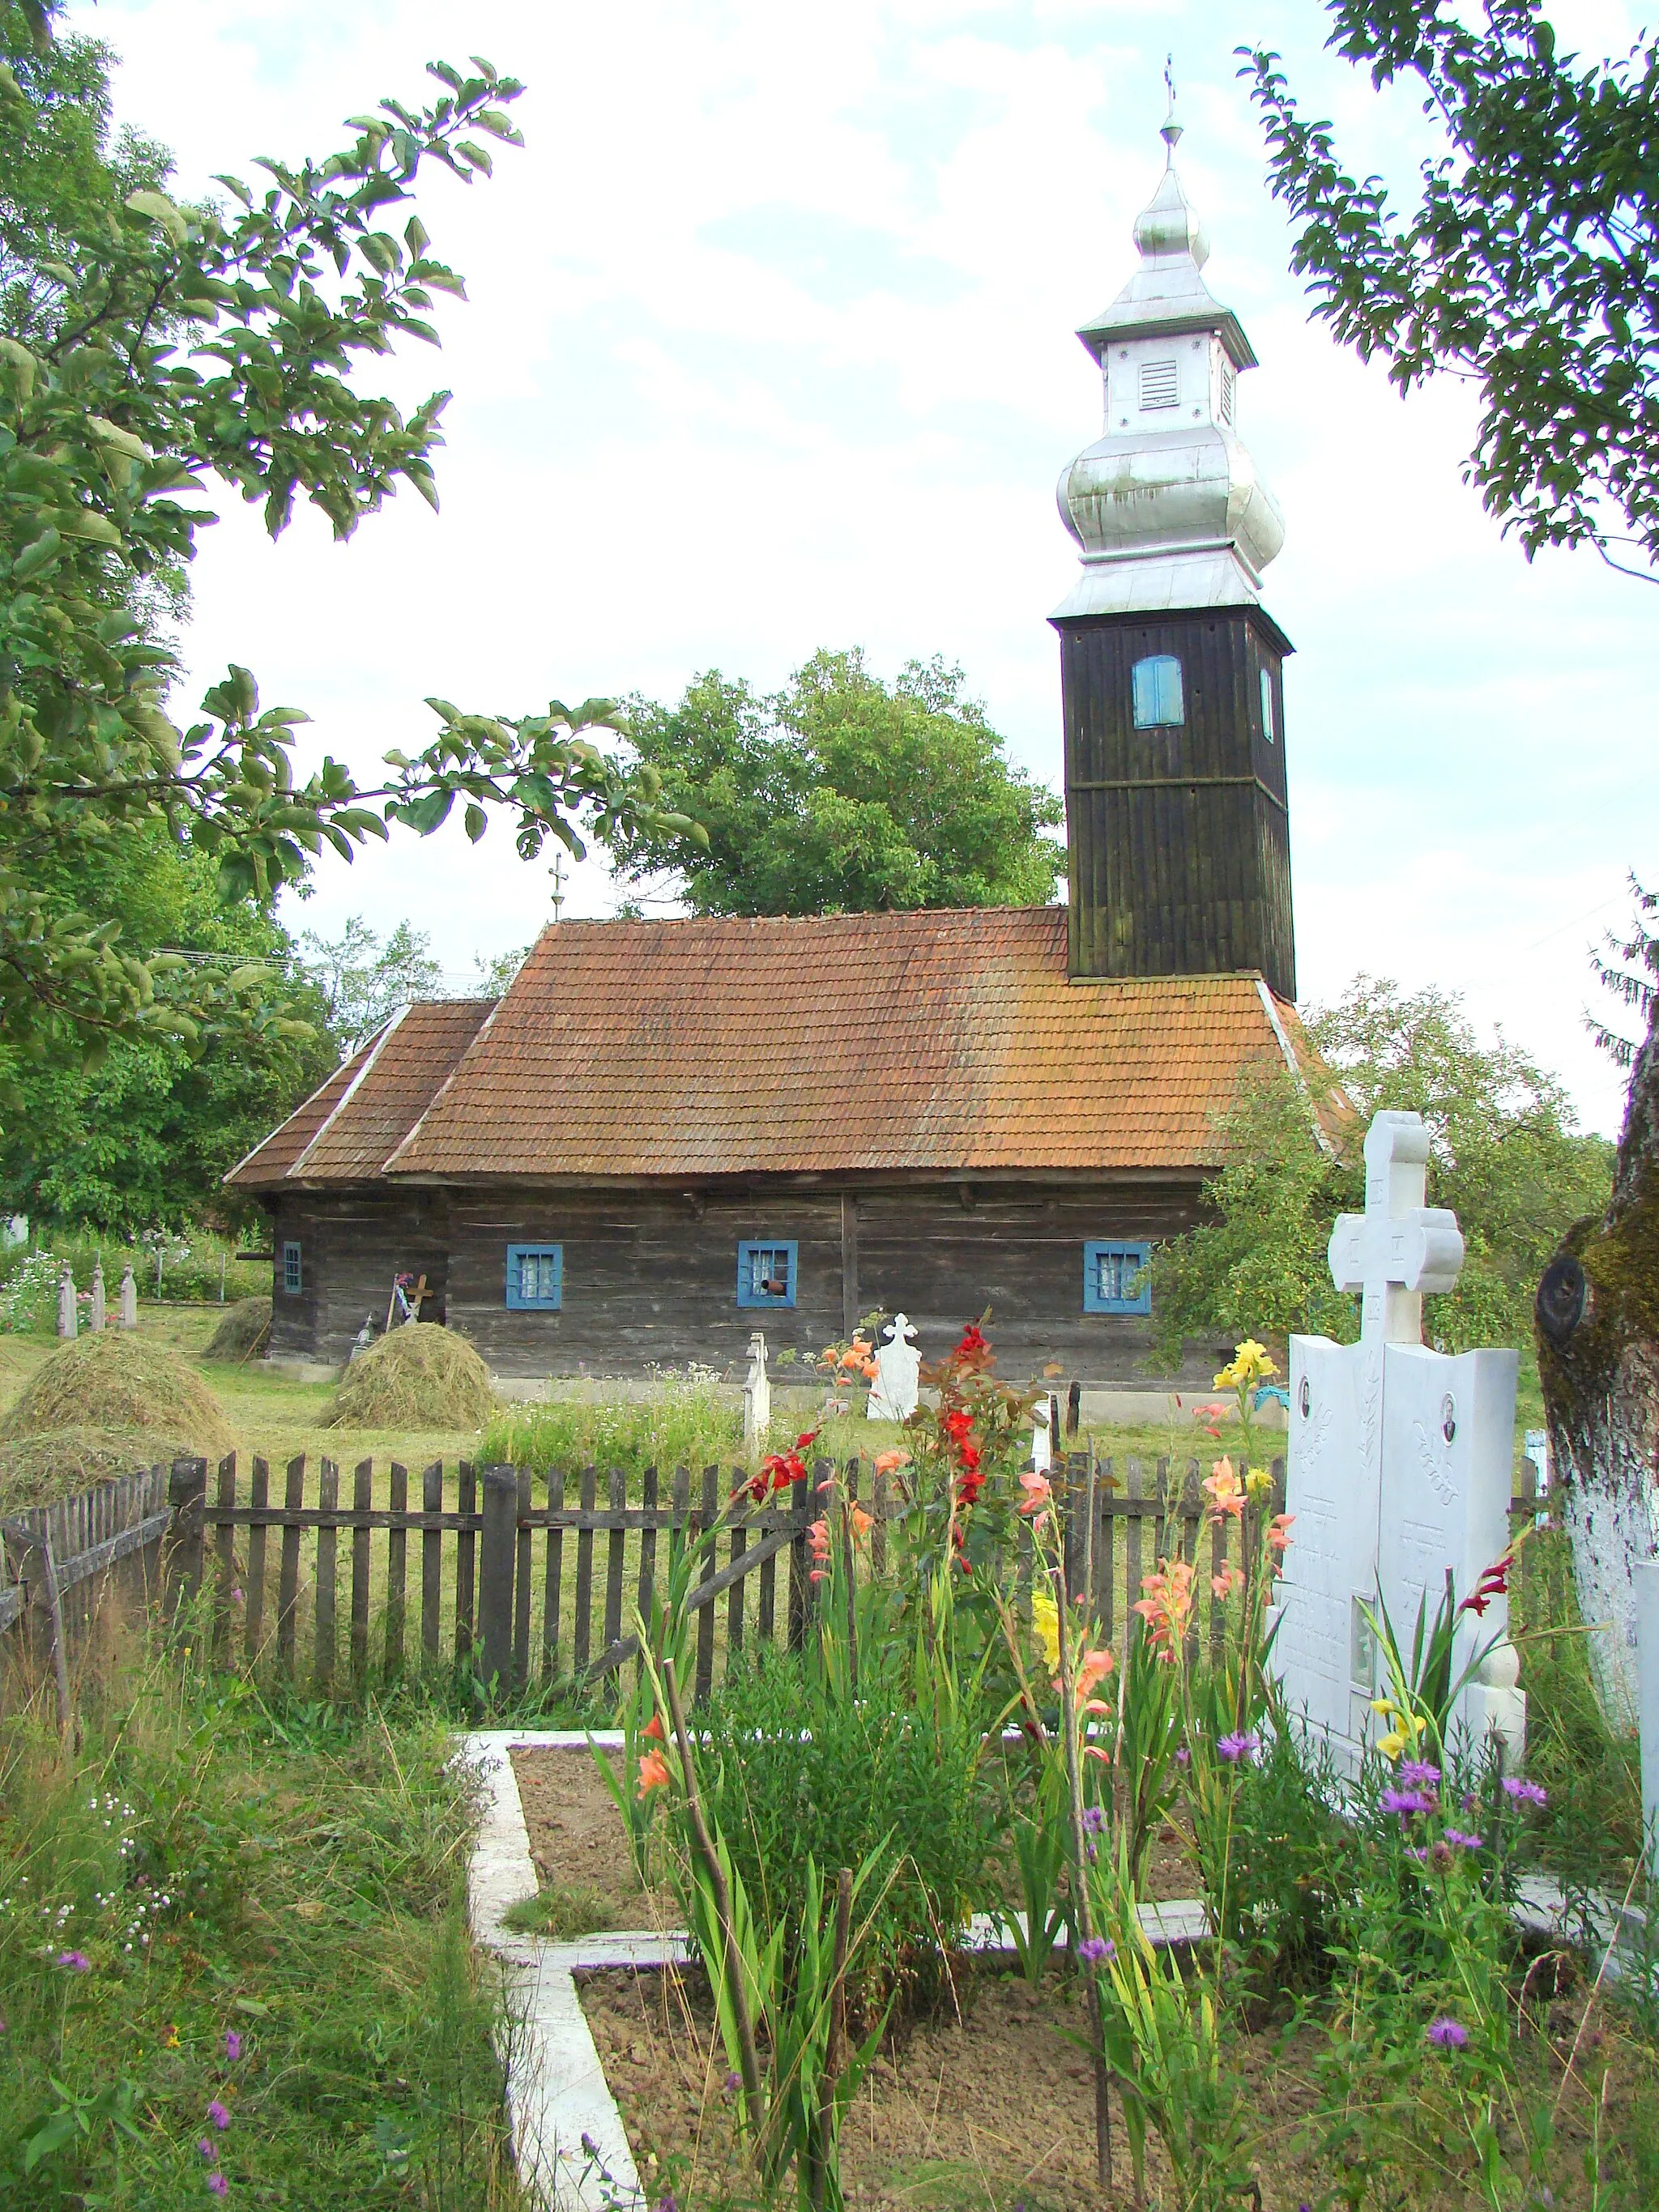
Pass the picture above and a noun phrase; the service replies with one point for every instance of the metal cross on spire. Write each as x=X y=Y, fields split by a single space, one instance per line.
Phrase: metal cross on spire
x=1171 y=133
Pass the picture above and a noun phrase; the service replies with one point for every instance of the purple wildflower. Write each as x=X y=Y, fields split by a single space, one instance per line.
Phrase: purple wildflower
x=1406 y=1802
x=1462 y=1841
x=233 y=2046
x=218 y=2184
x=1448 y=2034
x=1243 y=1743
x=76 y=1961
x=1094 y=1818
x=218 y=2115
x=1095 y=1950
x=1524 y=1792
x=1418 y=1774
x=734 y=2081
x=208 y=2151
x=668 y=2201
x=1418 y=1851
x=1183 y=1757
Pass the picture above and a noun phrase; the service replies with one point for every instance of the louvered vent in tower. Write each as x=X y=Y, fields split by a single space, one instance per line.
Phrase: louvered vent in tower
x=1160 y=384
x=1229 y=381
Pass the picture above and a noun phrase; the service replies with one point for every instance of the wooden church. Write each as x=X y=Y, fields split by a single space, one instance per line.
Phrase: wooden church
x=668 y=1133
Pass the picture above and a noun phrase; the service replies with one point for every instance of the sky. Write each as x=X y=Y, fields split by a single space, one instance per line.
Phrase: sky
x=769 y=346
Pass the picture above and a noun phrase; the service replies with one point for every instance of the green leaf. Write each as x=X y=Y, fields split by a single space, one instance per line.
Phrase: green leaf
x=38 y=557
x=161 y=210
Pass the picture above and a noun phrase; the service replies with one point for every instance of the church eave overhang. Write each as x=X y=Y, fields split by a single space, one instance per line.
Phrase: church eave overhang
x=1098 y=335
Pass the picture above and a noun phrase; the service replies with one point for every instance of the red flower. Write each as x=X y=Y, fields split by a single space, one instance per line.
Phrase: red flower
x=779 y=1469
x=958 y=1426
x=653 y=1728
x=967 y=1458
x=973 y=1350
x=1493 y=1583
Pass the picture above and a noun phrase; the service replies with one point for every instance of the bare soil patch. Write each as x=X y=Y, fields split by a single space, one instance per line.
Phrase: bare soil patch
x=579 y=1842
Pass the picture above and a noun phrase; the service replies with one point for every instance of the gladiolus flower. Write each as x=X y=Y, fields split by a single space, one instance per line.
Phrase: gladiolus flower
x=1493 y=1583
x=654 y=1728
x=1038 y=1490
x=653 y=1772
x=1257 y=1483
x=1210 y=1418
x=1045 y=1619
x=1278 y=1532
x=862 y=1523
x=1248 y=1364
x=1093 y=1666
x=818 y=1534
x=1229 y=1579
x=889 y=1462
x=1391 y=1745
x=1224 y=1490
x=958 y=1426
x=1168 y=1605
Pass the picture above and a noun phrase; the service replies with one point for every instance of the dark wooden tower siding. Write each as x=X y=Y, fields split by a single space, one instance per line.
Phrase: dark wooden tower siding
x=1179 y=835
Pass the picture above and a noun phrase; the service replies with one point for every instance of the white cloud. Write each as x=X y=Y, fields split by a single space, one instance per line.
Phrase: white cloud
x=770 y=346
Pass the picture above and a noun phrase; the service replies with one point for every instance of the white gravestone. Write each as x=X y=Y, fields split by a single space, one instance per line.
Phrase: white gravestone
x=129 y=1300
x=1043 y=1443
x=1399 y=1465
x=97 y=1316
x=898 y=1387
x=756 y=1394
x=68 y=1318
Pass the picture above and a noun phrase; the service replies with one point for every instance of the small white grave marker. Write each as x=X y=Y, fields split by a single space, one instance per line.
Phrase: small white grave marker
x=1043 y=1443
x=756 y=1394
x=68 y=1318
x=96 y=1317
x=1399 y=1464
x=897 y=1388
x=128 y=1299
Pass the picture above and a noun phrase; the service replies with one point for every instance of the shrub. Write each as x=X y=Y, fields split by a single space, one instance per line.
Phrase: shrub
x=420 y=1377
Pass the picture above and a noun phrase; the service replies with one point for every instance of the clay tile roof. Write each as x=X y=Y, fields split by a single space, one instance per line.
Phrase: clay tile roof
x=942 y=1040
x=346 y=1128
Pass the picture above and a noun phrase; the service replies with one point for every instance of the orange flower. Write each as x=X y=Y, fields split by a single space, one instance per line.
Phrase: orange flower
x=1092 y=1668
x=653 y=1772
x=1038 y=1491
x=1209 y=1418
x=862 y=1524
x=1278 y=1533
x=1225 y=1490
x=653 y=1728
x=1168 y=1605
x=889 y=1462
x=1229 y=1579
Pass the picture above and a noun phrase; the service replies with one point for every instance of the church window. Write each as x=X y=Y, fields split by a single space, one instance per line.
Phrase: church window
x=1114 y=1278
x=535 y=1277
x=1158 y=700
x=293 y=1272
x=1160 y=384
x=766 y=1273
x=1267 y=730
x=1229 y=385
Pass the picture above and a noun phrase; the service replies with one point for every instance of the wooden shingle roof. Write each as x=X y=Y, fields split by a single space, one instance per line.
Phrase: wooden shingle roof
x=345 y=1129
x=941 y=1042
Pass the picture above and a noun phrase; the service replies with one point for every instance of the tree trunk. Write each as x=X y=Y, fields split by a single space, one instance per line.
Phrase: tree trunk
x=1598 y=1360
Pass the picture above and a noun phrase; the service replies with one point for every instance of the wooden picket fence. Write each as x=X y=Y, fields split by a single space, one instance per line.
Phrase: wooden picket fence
x=521 y=1591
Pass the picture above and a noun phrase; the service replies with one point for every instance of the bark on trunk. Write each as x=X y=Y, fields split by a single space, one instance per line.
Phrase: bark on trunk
x=1598 y=1358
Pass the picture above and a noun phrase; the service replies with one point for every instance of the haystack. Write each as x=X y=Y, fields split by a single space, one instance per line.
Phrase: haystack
x=39 y=1470
x=116 y=1380
x=243 y=1334
x=420 y=1377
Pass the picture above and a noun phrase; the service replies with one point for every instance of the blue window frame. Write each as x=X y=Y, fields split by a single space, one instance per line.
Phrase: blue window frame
x=1114 y=1278
x=293 y=1271
x=535 y=1277
x=1267 y=730
x=766 y=1272
x=1159 y=700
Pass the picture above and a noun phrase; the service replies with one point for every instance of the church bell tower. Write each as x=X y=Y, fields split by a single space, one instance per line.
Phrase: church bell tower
x=1175 y=804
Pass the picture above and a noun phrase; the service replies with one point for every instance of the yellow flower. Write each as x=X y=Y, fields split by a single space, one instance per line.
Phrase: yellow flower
x=1382 y=1707
x=1248 y=1364
x=1045 y=1618
x=1258 y=1482
x=1414 y=1722
x=1391 y=1745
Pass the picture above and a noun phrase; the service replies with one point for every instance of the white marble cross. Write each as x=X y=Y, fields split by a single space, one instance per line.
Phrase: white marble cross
x=895 y=1391
x=1398 y=1248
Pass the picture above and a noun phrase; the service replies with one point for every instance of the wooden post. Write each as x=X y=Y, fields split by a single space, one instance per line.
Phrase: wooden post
x=710 y=1518
x=186 y=1495
x=253 y=1611
x=523 y=1563
x=614 y=1542
x=33 y=1566
x=647 y=1551
x=553 y=1589
x=396 y=1575
x=224 y=1548
x=497 y=1547
x=466 y=1550
x=363 y=1504
x=288 y=1574
x=1104 y=1486
x=1133 y=1566
x=328 y=1545
x=431 y=1560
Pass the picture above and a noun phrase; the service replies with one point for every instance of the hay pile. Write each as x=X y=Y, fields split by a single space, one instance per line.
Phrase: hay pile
x=39 y=1470
x=244 y=1332
x=420 y=1377
x=118 y=1381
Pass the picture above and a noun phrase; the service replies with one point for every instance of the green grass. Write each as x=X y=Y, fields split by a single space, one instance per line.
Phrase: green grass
x=293 y=1877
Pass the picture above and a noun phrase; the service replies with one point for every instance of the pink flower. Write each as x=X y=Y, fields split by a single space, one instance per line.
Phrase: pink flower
x=209 y=2151
x=1447 y=2034
x=233 y=2046
x=76 y=1961
x=218 y=2115
x=1038 y=1490
x=218 y=2184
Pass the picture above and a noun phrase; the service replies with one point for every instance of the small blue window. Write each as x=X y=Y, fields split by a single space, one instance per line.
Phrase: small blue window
x=1267 y=730
x=535 y=1277
x=293 y=1275
x=1114 y=1278
x=1159 y=701
x=766 y=1273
